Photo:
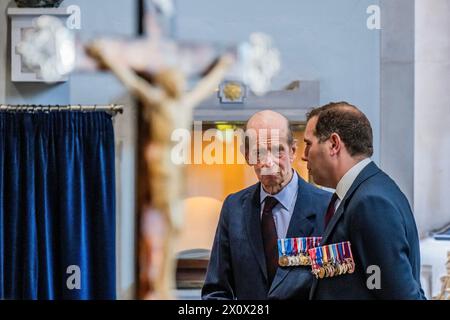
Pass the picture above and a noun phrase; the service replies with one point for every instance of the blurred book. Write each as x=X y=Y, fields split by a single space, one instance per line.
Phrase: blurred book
x=191 y=268
x=443 y=234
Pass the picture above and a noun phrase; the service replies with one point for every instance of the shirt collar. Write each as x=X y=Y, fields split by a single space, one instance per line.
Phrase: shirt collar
x=349 y=177
x=286 y=195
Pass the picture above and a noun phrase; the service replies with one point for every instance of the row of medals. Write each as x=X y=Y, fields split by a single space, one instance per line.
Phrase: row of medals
x=298 y=260
x=331 y=269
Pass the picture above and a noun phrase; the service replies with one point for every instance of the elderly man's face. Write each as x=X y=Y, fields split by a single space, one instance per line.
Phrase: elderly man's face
x=271 y=156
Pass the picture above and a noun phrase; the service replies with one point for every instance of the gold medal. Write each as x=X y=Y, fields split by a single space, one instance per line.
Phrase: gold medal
x=315 y=272
x=344 y=268
x=303 y=261
x=283 y=261
x=349 y=259
x=300 y=259
x=351 y=266
x=321 y=272
x=308 y=260
x=340 y=269
x=291 y=261
x=332 y=271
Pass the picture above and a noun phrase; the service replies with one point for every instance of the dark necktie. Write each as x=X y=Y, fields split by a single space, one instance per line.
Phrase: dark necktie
x=330 y=210
x=269 y=236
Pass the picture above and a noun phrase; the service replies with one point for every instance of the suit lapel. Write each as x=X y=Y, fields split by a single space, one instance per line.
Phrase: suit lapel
x=370 y=170
x=252 y=207
x=299 y=226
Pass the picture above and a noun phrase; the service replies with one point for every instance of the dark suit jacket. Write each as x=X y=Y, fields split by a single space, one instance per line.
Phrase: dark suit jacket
x=237 y=268
x=376 y=218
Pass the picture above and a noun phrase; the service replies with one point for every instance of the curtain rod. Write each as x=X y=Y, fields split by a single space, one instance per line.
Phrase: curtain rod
x=115 y=108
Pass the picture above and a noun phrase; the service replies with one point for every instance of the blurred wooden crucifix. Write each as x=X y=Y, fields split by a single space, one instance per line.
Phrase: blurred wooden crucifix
x=155 y=70
x=166 y=106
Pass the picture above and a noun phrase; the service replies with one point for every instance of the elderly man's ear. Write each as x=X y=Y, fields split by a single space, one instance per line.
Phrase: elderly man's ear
x=294 y=148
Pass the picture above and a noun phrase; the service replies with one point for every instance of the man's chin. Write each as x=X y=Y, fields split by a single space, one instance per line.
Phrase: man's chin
x=270 y=180
x=319 y=181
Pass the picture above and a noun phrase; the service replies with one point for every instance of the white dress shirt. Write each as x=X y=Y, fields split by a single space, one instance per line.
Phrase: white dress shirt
x=347 y=180
x=283 y=211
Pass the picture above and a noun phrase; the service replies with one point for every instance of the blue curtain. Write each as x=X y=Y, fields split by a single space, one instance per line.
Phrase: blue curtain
x=57 y=206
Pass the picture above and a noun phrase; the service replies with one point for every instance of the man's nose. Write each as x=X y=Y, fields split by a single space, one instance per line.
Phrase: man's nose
x=268 y=161
x=305 y=156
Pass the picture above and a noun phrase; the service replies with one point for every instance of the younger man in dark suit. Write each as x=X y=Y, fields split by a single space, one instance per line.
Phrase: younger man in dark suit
x=368 y=210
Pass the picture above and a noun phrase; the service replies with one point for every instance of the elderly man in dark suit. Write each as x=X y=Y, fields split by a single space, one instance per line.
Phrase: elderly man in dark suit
x=244 y=257
x=367 y=209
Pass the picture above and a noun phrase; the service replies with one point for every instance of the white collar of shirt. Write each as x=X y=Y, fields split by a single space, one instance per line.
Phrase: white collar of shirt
x=349 y=177
x=286 y=195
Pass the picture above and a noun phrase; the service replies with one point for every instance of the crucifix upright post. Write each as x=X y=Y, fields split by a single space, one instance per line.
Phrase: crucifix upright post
x=163 y=107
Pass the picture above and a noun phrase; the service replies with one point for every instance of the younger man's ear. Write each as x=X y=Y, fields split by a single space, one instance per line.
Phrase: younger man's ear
x=336 y=143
